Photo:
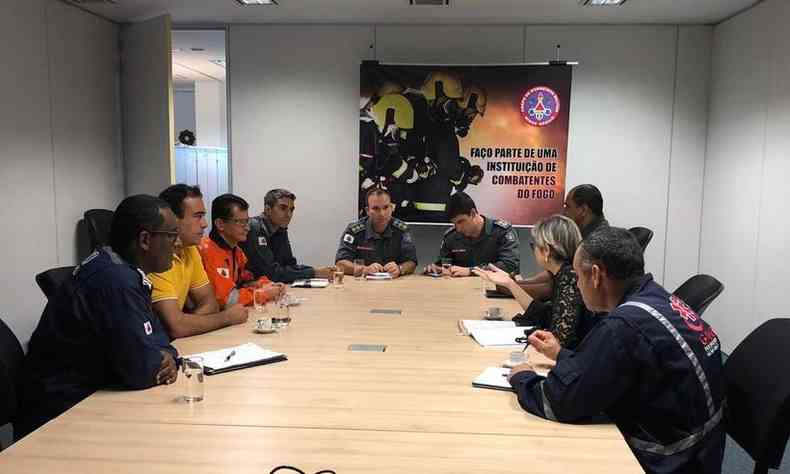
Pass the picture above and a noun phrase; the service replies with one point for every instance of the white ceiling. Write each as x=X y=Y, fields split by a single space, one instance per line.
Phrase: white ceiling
x=399 y=11
x=193 y=53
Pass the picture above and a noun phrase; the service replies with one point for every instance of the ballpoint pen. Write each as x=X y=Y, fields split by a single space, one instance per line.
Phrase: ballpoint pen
x=232 y=353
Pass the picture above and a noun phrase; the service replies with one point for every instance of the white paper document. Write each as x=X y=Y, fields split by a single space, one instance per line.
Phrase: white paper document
x=496 y=378
x=468 y=325
x=493 y=333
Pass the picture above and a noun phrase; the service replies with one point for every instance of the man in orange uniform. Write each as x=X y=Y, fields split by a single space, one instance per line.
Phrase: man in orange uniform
x=223 y=259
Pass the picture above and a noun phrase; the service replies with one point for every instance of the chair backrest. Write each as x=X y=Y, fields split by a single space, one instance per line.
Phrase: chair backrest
x=643 y=236
x=50 y=280
x=699 y=291
x=11 y=356
x=758 y=393
x=99 y=222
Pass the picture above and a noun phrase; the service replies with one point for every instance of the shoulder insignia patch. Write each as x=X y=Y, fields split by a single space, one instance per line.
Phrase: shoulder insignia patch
x=262 y=241
x=348 y=238
x=400 y=225
x=149 y=329
x=502 y=224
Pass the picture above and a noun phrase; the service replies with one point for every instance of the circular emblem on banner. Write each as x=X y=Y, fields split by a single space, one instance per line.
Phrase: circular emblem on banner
x=540 y=106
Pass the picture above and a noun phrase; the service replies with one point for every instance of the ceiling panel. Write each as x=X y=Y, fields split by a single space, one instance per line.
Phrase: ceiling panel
x=399 y=11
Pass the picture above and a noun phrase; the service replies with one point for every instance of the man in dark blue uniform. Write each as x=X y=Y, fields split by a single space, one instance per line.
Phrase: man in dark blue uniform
x=268 y=248
x=384 y=243
x=651 y=365
x=100 y=330
x=476 y=240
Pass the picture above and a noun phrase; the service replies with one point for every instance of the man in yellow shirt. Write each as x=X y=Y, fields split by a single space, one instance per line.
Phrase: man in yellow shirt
x=182 y=296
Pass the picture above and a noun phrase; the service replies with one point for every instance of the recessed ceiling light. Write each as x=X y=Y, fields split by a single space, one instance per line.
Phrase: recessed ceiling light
x=248 y=3
x=602 y=3
x=218 y=62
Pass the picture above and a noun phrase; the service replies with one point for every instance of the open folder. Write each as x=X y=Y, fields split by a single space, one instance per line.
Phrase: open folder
x=241 y=357
x=492 y=333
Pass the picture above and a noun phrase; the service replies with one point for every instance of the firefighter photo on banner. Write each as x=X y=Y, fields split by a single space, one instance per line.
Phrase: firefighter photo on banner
x=498 y=133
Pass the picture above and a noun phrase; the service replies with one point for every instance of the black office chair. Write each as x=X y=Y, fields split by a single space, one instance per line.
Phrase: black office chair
x=11 y=356
x=50 y=280
x=757 y=416
x=643 y=236
x=699 y=291
x=99 y=222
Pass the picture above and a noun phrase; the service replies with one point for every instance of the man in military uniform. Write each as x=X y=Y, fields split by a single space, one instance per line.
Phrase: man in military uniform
x=99 y=329
x=476 y=240
x=652 y=365
x=384 y=243
x=268 y=248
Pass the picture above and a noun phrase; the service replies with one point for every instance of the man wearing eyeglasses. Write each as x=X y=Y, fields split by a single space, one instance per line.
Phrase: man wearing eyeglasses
x=98 y=330
x=224 y=260
x=183 y=296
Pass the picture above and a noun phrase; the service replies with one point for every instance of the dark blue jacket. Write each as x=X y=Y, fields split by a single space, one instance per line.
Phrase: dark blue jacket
x=654 y=368
x=97 y=331
x=269 y=253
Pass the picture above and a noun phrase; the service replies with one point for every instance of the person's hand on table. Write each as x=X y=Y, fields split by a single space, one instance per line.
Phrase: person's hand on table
x=325 y=272
x=237 y=313
x=168 y=370
x=374 y=268
x=545 y=343
x=273 y=291
x=393 y=269
x=525 y=367
x=456 y=271
x=433 y=268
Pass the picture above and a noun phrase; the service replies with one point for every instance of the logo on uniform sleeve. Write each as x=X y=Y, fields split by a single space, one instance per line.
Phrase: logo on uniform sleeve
x=148 y=328
x=223 y=272
x=686 y=314
x=348 y=238
x=262 y=241
x=510 y=237
x=540 y=106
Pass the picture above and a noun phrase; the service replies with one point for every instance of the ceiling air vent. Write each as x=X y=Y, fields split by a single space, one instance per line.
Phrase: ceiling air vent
x=433 y=3
x=94 y=2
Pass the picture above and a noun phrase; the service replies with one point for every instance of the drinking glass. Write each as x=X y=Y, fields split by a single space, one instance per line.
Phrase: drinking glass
x=192 y=374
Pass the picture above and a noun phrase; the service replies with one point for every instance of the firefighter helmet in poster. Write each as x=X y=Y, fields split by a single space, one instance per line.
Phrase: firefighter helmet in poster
x=499 y=133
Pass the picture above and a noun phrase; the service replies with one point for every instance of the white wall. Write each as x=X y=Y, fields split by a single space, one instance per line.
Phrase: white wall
x=294 y=115
x=745 y=228
x=59 y=130
x=211 y=127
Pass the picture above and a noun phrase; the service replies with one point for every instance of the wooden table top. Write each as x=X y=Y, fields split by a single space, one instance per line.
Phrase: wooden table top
x=411 y=408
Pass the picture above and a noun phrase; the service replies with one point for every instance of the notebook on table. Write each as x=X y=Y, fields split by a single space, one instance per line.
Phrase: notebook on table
x=495 y=378
x=493 y=333
x=241 y=357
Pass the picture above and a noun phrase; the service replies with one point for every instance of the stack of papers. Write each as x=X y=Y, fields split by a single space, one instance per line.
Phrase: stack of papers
x=496 y=378
x=311 y=283
x=243 y=356
x=493 y=333
x=378 y=276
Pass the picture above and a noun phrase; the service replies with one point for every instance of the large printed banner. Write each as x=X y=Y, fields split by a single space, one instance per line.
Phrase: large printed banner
x=498 y=133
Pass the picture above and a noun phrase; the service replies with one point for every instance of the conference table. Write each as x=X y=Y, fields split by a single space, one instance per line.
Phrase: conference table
x=411 y=408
